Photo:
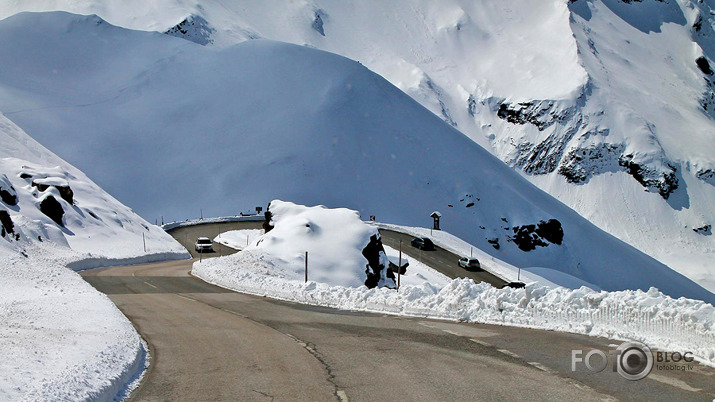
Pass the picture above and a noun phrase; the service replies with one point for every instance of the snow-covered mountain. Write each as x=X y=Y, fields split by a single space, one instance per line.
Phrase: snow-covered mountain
x=605 y=104
x=171 y=126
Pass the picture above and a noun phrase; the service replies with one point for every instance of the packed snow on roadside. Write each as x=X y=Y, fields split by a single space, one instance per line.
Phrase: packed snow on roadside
x=273 y=265
x=238 y=239
x=60 y=339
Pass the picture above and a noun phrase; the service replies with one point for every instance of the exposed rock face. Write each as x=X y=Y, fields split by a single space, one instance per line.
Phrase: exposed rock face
x=704 y=230
x=704 y=65
x=53 y=209
x=8 y=195
x=65 y=191
x=494 y=242
x=7 y=225
x=318 y=22
x=194 y=29
x=376 y=269
x=267 y=226
x=528 y=237
x=662 y=182
x=706 y=175
x=580 y=164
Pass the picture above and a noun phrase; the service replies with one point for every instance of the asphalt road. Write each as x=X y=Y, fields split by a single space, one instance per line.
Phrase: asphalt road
x=439 y=259
x=208 y=343
x=187 y=236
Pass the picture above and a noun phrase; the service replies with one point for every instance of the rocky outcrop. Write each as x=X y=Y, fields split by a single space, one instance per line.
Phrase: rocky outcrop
x=704 y=65
x=541 y=114
x=65 y=190
x=654 y=180
x=544 y=157
x=8 y=227
x=8 y=195
x=706 y=175
x=318 y=22
x=53 y=209
x=193 y=28
x=528 y=237
x=377 y=271
x=580 y=164
x=704 y=230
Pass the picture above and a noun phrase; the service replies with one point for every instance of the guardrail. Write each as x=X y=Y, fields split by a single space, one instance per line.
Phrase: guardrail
x=204 y=221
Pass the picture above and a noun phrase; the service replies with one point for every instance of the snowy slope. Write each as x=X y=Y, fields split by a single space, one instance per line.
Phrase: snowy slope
x=599 y=102
x=190 y=126
x=59 y=337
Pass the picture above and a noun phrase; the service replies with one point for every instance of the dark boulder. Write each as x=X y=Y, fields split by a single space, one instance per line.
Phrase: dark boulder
x=8 y=195
x=65 y=191
x=53 y=209
x=7 y=225
x=528 y=237
x=550 y=230
x=376 y=269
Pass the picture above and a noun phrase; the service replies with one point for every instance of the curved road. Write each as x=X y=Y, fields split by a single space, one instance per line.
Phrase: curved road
x=208 y=343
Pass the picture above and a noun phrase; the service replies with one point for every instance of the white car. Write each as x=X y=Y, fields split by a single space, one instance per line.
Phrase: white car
x=469 y=263
x=203 y=244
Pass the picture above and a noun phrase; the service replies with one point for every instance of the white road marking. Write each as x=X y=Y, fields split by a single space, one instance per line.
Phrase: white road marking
x=673 y=382
x=509 y=353
x=187 y=298
x=151 y=285
x=480 y=342
x=542 y=367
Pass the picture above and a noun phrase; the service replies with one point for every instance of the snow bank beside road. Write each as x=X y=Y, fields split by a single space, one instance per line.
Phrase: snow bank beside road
x=60 y=339
x=647 y=316
x=650 y=317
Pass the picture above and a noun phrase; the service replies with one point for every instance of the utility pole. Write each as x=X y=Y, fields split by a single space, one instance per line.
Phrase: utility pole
x=202 y=214
x=144 y=241
x=399 y=267
x=306 y=267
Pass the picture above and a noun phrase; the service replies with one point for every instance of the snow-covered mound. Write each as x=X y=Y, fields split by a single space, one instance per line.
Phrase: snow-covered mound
x=262 y=120
x=238 y=239
x=334 y=239
x=59 y=337
x=605 y=104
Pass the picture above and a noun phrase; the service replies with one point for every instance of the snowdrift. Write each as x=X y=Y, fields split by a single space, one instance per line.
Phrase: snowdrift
x=262 y=120
x=59 y=337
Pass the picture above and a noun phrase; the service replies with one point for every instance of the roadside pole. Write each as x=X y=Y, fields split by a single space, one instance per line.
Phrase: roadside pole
x=144 y=241
x=399 y=267
x=306 y=266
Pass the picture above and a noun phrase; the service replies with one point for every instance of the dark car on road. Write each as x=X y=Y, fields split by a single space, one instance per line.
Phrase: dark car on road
x=423 y=243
